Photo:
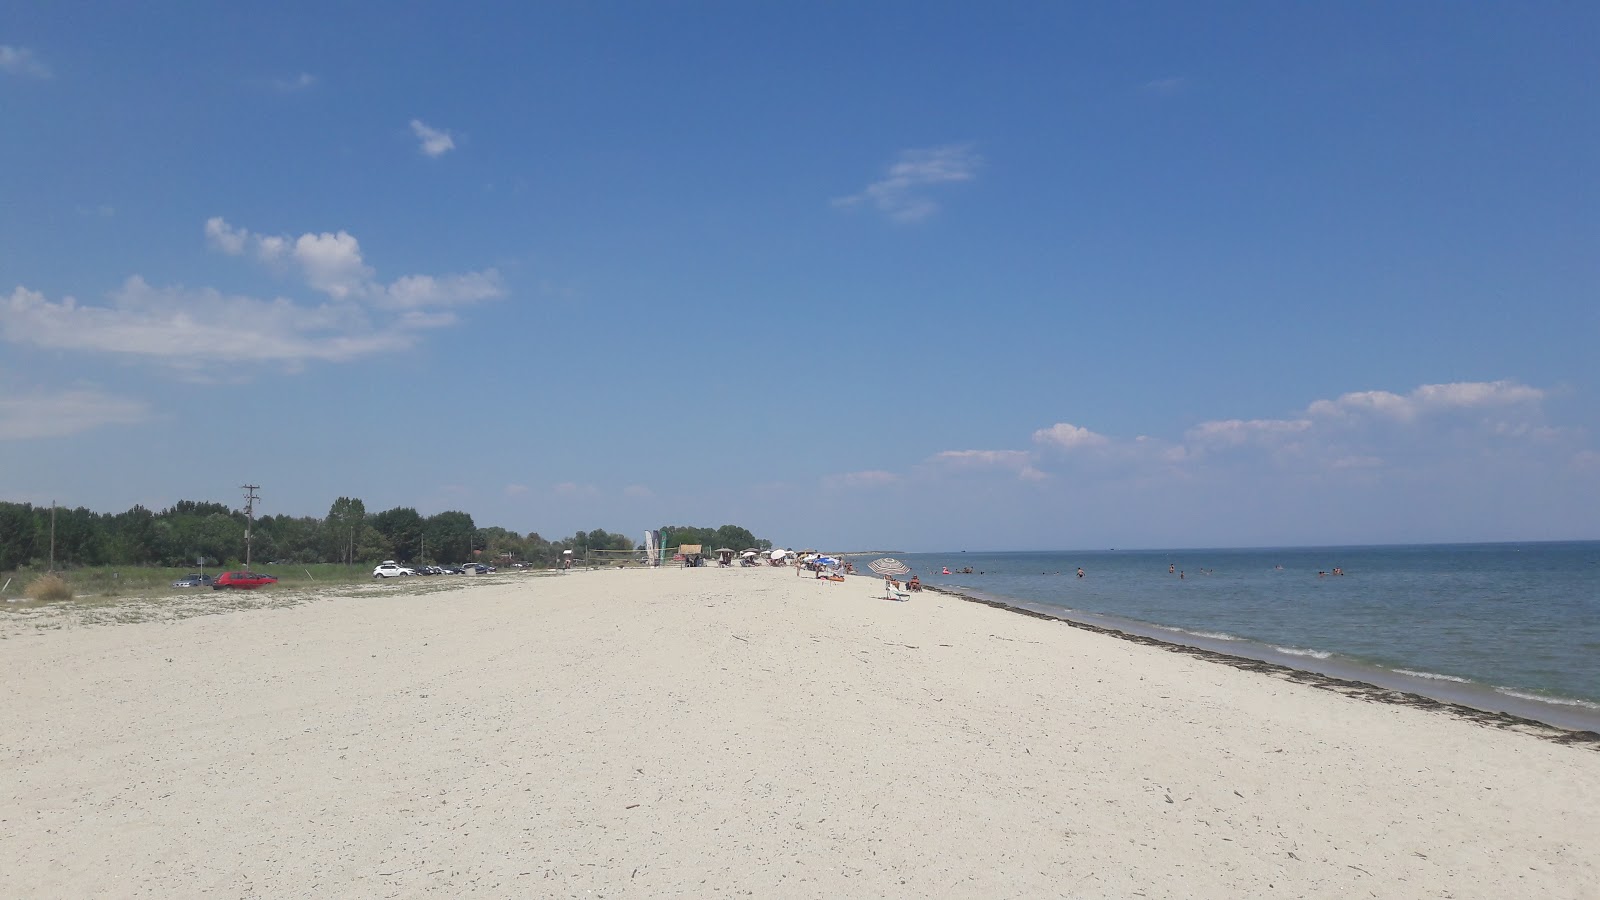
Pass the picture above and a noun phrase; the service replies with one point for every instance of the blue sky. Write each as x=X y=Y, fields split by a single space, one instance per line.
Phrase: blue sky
x=919 y=275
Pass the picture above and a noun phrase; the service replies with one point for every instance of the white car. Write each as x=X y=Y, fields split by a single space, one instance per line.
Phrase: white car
x=391 y=569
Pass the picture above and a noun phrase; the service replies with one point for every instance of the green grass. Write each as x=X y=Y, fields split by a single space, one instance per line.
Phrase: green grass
x=152 y=581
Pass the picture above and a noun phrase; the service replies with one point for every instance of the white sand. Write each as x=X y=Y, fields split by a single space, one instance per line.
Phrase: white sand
x=738 y=732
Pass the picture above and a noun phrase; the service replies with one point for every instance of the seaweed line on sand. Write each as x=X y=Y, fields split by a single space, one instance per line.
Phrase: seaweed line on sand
x=1360 y=690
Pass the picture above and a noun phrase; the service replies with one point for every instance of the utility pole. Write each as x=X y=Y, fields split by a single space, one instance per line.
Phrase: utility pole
x=52 y=535
x=250 y=499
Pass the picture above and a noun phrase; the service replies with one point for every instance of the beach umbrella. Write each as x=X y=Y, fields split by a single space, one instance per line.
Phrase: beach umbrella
x=748 y=553
x=889 y=566
x=779 y=554
x=826 y=561
x=723 y=550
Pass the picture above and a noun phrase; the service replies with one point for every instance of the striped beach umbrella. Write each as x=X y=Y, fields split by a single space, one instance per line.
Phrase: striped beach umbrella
x=888 y=566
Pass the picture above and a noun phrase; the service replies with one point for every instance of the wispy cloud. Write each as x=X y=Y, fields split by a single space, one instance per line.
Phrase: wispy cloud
x=638 y=492
x=902 y=194
x=22 y=62
x=1358 y=434
x=434 y=142
x=1020 y=462
x=1237 y=432
x=515 y=490
x=302 y=82
x=190 y=328
x=30 y=414
x=187 y=328
x=870 y=478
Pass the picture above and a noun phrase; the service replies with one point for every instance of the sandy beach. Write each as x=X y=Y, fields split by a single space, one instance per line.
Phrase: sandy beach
x=711 y=733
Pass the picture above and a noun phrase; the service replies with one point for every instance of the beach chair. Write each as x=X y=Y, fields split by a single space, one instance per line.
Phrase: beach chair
x=895 y=593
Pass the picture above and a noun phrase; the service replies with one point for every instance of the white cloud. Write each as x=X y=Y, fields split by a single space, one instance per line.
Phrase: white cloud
x=901 y=193
x=574 y=489
x=188 y=327
x=1428 y=398
x=513 y=490
x=332 y=262
x=638 y=491
x=22 y=61
x=28 y=414
x=1067 y=436
x=225 y=237
x=329 y=262
x=434 y=143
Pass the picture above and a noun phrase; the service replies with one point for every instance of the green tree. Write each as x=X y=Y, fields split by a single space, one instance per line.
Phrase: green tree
x=18 y=535
x=132 y=538
x=402 y=530
x=453 y=533
x=342 y=530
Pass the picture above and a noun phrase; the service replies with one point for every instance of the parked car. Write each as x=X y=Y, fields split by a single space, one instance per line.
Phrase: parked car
x=193 y=579
x=244 y=581
x=391 y=569
x=451 y=570
x=480 y=568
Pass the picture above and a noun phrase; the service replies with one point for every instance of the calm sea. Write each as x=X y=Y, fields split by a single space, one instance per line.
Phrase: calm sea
x=1496 y=626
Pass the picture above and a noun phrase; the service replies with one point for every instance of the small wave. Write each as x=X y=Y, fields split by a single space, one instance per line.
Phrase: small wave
x=1541 y=698
x=1296 y=651
x=1434 y=676
x=1213 y=635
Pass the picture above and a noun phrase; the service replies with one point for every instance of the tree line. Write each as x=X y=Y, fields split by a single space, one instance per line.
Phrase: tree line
x=201 y=533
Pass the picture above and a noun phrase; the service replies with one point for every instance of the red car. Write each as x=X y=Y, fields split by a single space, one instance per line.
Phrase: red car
x=243 y=580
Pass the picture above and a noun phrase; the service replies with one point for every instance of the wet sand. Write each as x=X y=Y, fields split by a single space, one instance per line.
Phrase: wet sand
x=739 y=732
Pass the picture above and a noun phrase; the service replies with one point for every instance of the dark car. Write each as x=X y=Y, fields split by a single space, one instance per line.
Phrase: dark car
x=193 y=579
x=243 y=580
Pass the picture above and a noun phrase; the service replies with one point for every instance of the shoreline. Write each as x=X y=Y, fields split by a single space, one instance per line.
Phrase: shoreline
x=1349 y=687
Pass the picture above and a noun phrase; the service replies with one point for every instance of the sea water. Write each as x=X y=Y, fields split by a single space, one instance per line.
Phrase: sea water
x=1514 y=627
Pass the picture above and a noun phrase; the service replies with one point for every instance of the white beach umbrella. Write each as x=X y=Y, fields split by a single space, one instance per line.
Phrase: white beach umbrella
x=889 y=566
x=780 y=554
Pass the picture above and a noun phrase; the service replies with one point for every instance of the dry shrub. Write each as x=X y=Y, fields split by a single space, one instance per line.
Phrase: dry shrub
x=48 y=587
